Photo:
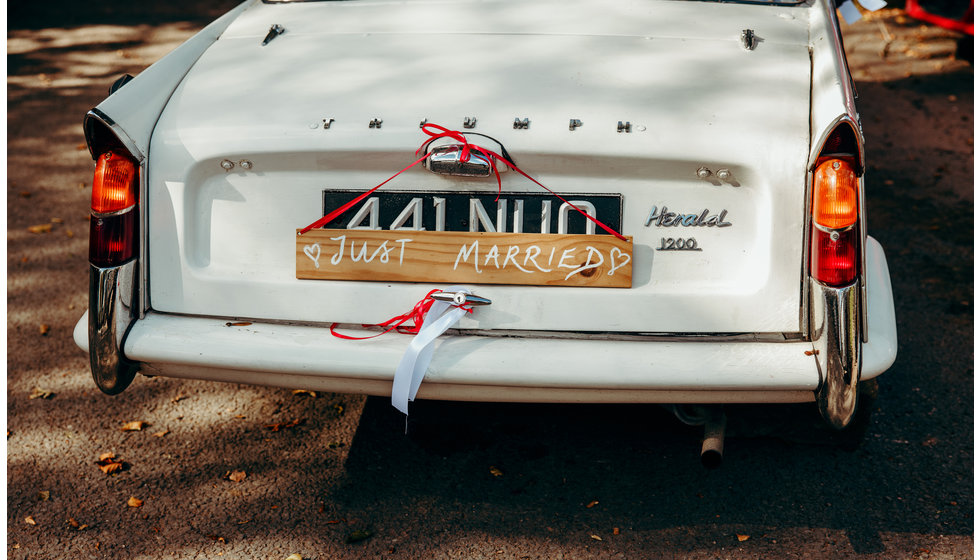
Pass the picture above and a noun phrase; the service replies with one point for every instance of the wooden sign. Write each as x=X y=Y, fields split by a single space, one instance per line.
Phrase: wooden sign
x=533 y=259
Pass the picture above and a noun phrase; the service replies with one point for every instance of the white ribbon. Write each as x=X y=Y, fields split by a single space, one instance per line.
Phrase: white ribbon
x=415 y=361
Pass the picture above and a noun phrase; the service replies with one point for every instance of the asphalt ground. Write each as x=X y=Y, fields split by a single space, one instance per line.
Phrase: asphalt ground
x=243 y=472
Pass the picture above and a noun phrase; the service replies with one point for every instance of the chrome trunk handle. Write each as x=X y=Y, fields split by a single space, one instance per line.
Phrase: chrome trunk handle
x=460 y=298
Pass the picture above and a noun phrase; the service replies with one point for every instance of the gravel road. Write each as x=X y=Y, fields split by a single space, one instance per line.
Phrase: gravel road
x=249 y=472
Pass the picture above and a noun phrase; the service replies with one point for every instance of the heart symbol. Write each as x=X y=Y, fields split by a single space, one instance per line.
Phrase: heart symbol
x=614 y=254
x=313 y=254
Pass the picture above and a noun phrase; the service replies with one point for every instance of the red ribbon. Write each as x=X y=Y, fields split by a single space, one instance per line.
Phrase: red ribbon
x=397 y=323
x=436 y=132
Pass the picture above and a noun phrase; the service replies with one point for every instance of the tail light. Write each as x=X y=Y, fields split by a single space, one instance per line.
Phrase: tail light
x=835 y=239
x=113 y=227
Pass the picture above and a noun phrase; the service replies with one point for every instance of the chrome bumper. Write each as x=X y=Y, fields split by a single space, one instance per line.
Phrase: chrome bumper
x=835 y=332
x=109 y=319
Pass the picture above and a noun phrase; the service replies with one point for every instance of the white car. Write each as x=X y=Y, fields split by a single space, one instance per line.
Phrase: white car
x=654 y=201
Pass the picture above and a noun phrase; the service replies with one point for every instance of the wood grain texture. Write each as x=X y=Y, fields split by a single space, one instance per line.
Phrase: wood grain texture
x=531 y=259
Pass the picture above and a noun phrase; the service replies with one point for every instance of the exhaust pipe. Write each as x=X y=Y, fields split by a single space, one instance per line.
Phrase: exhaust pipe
x=714 y=441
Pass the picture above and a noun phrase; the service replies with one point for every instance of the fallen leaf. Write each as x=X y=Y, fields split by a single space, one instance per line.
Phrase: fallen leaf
x=39 y=393
x=43 y=495
x=30 y=520
x=304 y=392
x=107 y=455
x=134 y=426
x=295 y=557
x=82 y=527
x=57 y=221
x=286 y=425
x=358 y=536
x=161 y=434
x=108 y=464
x=592 y=503
x=596 y=537
x=336 y=521
x=40 y=228
x=71 y=521
x=742 y=538
x=496 y=472
x=237 y=476
x=44 y=329
x=615 y=530
x=134 y=502
x=69 y=233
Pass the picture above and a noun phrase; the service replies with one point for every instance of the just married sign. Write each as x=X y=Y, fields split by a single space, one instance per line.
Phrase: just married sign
x=601 y=261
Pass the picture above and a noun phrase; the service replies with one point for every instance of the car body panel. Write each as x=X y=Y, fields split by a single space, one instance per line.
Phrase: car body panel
x=222 y=238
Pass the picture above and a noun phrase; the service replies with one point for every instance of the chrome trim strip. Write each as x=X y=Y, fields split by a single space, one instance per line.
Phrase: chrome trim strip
x=836 y=336
x=818 y=145
x=115 y=213
x=109 y=319
x=124 y=138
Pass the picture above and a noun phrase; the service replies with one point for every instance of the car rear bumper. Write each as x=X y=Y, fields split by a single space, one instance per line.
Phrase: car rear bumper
x=506 y=368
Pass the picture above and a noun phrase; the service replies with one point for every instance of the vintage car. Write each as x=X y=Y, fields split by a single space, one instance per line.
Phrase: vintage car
x=654 y=201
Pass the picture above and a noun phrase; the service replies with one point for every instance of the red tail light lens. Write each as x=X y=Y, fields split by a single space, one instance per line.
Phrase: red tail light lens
x=115 y=185
x=112 y=240
x=834 y=256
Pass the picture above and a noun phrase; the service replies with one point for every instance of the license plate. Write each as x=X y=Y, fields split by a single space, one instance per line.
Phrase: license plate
x=472 y=211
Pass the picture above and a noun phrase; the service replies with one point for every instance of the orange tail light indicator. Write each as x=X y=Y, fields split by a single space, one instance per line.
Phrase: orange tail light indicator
x=835 y=188
x=114 y=184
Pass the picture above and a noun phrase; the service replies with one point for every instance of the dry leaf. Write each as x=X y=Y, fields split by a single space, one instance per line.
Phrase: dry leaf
x=742 y=538
x=30 y=520
x=496 y=472
x=237 y=476
x=304 y=392
x=592 y=503
x=295 y=557
x=43 y=495
x=108 y=464
x=69 y=233
x=57 y=221
x=44 y=329
x=40 y=228
x=71 y=521
x=286 y=425
x=134 y=426
x=39 y=393
x=596 y=537
x=615 y=530
x=134 y=502
x=161 y=434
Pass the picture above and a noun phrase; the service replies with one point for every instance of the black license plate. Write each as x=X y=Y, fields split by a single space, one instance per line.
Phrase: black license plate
x=471 y=211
